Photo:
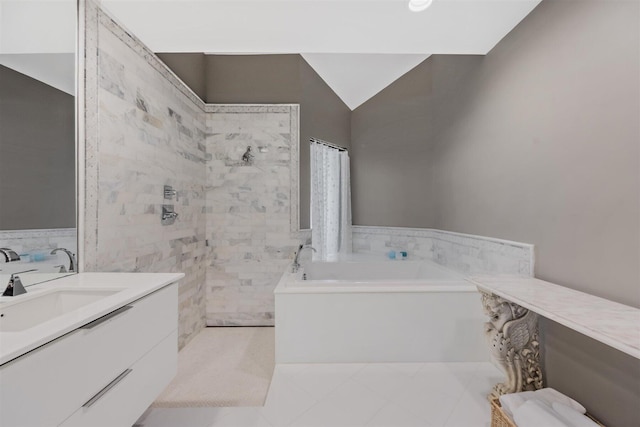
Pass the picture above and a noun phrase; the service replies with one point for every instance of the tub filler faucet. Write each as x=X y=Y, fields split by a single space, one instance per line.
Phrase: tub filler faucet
x=296 y=262
x=72 y=259
x=9 y=255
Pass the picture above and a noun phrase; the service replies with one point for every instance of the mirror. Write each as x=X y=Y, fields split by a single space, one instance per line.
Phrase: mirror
x=37 y=138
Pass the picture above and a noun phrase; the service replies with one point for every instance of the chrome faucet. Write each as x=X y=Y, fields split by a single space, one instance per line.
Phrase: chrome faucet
x=72 y=259
x=9 y=255
x=296 y=263
x=15 y=286
x=61 y=268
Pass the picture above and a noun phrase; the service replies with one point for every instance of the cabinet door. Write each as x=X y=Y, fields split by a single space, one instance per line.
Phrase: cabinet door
x=126 y=398
x=45 y=386
x=115 y=344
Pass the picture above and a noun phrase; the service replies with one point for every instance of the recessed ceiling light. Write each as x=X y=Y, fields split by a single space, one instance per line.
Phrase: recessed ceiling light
x=419 y=5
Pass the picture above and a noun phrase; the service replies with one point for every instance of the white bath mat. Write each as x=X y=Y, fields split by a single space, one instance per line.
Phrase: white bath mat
x=223 y=367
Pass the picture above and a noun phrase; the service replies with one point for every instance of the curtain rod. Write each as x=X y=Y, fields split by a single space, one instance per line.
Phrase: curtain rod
x=328 y=144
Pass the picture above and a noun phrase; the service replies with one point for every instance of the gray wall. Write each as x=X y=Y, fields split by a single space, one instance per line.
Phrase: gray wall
x=37 y=154
x=322 y=115
x=272 y=79
x=538 y=142
x=190 y=67
x=391 y=157
x=247 y=79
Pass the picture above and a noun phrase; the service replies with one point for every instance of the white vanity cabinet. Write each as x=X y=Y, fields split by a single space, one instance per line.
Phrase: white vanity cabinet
x=105 y=373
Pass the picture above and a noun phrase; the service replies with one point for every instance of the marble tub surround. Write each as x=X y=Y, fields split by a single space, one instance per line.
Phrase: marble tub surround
x=464 y=253
x=252 y=209
x=44 y=240
x=611 y=323
x=144 y=129
x=34 y=248
x=130 y=287
x=380 y=240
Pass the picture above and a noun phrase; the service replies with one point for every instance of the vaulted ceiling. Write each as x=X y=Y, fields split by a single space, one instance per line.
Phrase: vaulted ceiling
x=357 y=46
x=37 y=38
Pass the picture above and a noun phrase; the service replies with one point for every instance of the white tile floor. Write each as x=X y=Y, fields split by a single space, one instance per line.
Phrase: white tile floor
x=354 y=395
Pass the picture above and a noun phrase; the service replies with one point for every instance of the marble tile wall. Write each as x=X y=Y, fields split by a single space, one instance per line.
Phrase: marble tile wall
x=380 y=240
x=44 y=240
x=252 y=218
x=461 y=252
x=144 y=130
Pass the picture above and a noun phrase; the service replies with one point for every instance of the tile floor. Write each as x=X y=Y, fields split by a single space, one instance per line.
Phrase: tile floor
x=353 y=395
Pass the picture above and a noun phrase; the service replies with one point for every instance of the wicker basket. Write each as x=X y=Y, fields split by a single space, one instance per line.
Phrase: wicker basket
x=500 y=419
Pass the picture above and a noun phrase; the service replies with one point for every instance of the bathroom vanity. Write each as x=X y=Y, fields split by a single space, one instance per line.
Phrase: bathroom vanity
x=93 y=349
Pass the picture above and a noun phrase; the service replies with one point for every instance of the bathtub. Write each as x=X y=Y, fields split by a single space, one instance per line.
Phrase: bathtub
x=373 y=310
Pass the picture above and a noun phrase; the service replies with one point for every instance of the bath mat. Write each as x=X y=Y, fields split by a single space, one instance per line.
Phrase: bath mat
x=222 y=367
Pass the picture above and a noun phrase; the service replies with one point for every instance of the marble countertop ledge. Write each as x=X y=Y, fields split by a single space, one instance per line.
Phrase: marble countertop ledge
x=611 y=323
x=130 y=286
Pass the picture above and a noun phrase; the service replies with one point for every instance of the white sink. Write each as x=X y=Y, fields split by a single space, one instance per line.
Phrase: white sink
x=32 y=310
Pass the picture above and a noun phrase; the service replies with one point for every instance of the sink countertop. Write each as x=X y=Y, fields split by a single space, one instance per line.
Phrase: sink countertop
x=134 y=286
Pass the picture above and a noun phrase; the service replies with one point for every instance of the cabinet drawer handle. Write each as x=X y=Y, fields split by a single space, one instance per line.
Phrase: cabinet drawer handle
x=106 y=317
x=108 y=387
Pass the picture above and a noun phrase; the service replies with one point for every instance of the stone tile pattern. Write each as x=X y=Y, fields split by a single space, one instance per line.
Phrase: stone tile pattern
x=88 y=137
x=464 y=253
x=249 y=209
x=25 y=241
x=147 y=133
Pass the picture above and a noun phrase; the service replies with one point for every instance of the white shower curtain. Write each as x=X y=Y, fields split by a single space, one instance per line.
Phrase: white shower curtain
x=330 y=201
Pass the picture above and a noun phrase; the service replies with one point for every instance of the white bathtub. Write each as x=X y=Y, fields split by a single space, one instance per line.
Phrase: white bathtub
x=376 y=310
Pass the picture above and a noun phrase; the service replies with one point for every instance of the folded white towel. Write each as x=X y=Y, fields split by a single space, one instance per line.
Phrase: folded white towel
x=511 y=402
x=534 y=413
x=551 y=395
x=575 y=418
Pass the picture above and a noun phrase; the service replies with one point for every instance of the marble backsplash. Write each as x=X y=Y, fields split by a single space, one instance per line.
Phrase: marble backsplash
x=251 y=209
x=464 y=253
x=44 y=240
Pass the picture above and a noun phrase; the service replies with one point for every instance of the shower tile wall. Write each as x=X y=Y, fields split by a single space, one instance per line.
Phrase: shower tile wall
x=251 y=228
x=148 y=131
x=461 y=252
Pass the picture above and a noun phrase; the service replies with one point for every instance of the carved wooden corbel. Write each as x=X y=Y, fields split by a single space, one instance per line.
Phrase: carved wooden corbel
x=512 y=335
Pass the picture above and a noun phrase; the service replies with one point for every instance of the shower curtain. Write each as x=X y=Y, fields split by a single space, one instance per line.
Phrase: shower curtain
x=330 y=201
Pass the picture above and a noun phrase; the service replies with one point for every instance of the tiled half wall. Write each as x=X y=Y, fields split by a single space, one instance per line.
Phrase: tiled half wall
x=144 y=129
x=465 y=253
